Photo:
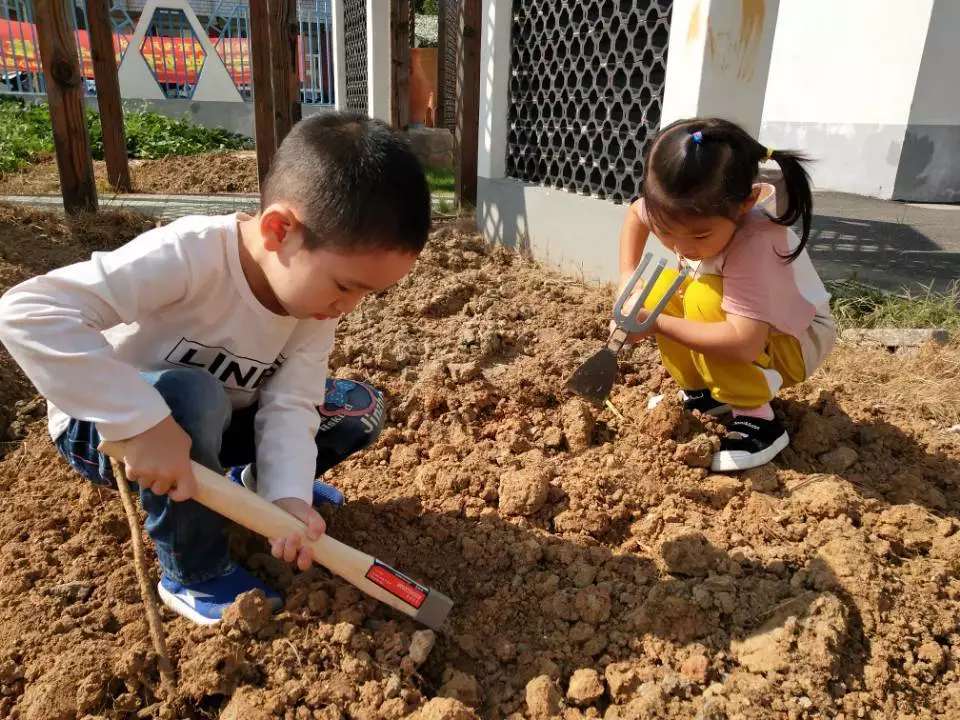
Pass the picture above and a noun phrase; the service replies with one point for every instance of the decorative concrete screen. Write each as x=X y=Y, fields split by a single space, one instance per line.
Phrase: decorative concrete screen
x=355 y=42
x=451 y=60
x=586 y=91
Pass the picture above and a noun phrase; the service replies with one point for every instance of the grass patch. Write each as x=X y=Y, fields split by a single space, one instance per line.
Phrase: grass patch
x=446 y=207
x=857 y=305
x=440 y=179
x=26 y=135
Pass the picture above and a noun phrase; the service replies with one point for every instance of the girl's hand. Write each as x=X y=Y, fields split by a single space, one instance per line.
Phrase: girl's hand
x=640 y=315
x=293 y=549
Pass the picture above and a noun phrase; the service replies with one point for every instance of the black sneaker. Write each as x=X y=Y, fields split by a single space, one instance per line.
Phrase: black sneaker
x=750 y=442
x=702 y=401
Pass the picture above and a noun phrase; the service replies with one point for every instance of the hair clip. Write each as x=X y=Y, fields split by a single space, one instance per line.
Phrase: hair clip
x=698 y=137
x=768 y=155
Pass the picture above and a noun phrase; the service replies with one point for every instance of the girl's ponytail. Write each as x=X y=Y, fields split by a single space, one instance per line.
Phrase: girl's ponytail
x=799 y=195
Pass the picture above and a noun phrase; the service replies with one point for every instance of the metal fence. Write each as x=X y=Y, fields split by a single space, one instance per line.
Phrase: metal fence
x=171 y=48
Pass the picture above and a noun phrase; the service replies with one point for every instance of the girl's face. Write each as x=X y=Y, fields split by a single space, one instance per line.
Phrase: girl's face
x=699 y=238
x=696 y=238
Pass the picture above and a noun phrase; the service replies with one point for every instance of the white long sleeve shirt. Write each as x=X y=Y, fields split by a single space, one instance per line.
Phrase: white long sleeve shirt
x=174 y=297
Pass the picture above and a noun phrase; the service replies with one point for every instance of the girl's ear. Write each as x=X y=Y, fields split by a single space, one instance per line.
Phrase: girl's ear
x=747 y=205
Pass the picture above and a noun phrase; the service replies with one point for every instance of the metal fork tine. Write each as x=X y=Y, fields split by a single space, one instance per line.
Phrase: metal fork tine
x=631 y=284
x=674 y=286
x=627 y=321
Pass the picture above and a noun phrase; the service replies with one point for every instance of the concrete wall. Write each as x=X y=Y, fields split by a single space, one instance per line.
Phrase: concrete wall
x=930 y=161
x=842 y=81
x=572 y=233
x=719 y=59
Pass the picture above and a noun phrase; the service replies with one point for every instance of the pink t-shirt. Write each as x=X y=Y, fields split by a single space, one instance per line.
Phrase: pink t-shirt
x=759 y=284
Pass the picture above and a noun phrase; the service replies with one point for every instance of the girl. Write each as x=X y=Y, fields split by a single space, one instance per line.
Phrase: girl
x=753 y=316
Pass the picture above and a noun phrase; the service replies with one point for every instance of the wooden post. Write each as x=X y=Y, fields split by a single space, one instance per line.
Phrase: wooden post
x=440 y=101
x=262 y=87
x=285 y=68
x=400 y=65
x=108 y=94
x=466 y=136
x=61 y=70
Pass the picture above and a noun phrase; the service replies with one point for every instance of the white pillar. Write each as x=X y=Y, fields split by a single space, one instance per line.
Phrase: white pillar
x=719 y=60
x=494 y=88
x=339 y=55
x=378 y=59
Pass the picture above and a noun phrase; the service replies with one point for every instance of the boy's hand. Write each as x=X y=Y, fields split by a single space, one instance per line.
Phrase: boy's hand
x=158 y=459
x=292 y=549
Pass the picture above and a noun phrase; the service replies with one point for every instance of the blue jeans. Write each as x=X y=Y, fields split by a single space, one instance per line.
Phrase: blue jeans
x=190 y=539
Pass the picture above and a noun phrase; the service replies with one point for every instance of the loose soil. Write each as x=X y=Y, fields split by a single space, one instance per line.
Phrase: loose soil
x=210 y=173
x=597 y=569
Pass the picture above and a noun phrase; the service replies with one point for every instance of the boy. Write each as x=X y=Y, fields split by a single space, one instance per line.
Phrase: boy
x=208 y=340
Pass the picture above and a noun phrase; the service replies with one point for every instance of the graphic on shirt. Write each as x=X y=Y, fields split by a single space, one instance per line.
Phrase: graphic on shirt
x=236 y=372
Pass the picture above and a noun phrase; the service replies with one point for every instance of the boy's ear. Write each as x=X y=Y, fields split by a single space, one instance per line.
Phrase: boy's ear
x=276 y=222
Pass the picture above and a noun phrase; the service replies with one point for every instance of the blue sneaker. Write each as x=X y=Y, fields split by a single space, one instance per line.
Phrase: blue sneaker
x=204 y=602
x=322 y=493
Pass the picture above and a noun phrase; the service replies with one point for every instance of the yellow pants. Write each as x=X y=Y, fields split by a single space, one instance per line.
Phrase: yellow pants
x=738 y=384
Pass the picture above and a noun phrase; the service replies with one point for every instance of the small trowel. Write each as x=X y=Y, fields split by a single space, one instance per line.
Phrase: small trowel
x=594 y=379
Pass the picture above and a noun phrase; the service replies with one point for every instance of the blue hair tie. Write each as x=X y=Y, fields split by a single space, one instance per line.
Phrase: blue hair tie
x=698 y=137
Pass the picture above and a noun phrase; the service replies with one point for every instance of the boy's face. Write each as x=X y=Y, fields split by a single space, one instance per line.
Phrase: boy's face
x=322 y=283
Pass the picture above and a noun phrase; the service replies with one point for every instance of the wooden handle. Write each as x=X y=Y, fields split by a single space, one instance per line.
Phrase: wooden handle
x=264 y=518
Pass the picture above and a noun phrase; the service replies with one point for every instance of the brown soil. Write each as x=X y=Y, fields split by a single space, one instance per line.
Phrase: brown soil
x=595 y=572
x=221 y=172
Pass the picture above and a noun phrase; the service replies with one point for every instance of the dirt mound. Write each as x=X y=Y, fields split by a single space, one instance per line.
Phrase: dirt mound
x=209 y=173
x=597 y=570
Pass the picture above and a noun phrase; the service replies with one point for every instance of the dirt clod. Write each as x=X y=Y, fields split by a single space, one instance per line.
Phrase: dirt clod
x=250 y=614
x=696 y=667
x=838 y=460
x=523 y=492
x=585 y=688
x=442 y=708
x=578 y=423
x=698 y=452
x=460 y=686
x=543 y=697
x=763 y=479
x=421 y=645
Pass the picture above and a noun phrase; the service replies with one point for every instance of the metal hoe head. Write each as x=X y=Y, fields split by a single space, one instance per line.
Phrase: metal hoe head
x=594 y=379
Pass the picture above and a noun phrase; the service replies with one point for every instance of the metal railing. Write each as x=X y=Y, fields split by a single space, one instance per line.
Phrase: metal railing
x=170 y=48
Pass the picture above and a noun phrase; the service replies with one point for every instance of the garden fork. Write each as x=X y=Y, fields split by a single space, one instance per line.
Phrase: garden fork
x=594 y=379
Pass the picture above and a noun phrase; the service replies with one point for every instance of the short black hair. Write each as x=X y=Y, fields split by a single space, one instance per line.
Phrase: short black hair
x=356 y=183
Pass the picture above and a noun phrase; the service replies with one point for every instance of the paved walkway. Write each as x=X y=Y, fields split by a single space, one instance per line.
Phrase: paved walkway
x=169 y=207
x=165 y=207
x=887 y=244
